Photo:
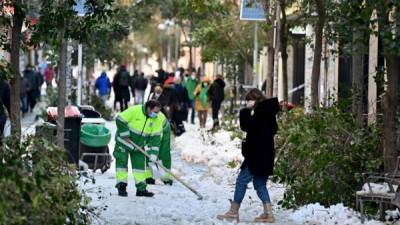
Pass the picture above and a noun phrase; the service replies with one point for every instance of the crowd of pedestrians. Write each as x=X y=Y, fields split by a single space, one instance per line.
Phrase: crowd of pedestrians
x=182 y=94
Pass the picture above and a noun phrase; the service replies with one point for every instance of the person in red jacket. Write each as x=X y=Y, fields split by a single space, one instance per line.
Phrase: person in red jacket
x=49 y=76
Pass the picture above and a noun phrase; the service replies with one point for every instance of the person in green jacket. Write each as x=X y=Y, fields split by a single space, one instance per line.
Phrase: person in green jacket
x=190 y=83
x=144 y=125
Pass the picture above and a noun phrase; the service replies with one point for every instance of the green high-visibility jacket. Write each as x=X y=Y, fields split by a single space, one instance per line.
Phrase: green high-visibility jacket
x=142 y=130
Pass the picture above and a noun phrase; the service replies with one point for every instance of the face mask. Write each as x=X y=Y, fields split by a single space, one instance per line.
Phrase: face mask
x=153 y=115
x=205 y=84
x=193 y=77
x=251 y=103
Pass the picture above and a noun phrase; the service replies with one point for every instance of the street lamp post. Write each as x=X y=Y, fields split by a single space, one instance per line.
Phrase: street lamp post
x=177 y=42
x=166 y=26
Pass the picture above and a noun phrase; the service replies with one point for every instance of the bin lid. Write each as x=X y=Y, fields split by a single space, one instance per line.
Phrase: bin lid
x=93 y=120
x=70 y=111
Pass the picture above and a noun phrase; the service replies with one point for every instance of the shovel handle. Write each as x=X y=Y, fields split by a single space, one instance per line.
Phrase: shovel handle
x=200 y=197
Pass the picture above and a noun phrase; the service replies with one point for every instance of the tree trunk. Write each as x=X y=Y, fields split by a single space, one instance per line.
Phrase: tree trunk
x=89 y=72
x=326 y=73
x=190 y=66
x=61 y=90
x=271 y=15
x=246 y=70
x=390 y=109
x=316 y=69
x=276 y=51
x=358 y=80
x=284 y=40
x=15 y=107
x=391 y=97
x=270 y=63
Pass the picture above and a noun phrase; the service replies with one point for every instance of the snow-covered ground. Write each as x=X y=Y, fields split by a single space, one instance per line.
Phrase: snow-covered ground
x=206 y=162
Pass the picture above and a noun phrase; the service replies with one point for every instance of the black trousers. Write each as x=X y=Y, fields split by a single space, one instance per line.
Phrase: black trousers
x=216 y=106
x=32 y=98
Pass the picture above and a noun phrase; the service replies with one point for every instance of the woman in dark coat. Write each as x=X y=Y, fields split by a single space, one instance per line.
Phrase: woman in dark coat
x=258 y=120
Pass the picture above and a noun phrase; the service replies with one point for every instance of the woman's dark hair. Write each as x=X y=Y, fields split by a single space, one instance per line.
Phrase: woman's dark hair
x=152 y=104
x=255 y=95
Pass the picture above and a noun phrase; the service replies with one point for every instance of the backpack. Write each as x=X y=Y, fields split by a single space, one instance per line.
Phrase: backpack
x=123 y=79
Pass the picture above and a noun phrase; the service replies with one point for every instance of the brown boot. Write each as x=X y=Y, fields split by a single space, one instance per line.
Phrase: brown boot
x=232 y=214
x=267 y=216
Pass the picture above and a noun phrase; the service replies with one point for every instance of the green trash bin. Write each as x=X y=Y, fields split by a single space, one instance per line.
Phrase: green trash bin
x=94 y=150
x=95 y=135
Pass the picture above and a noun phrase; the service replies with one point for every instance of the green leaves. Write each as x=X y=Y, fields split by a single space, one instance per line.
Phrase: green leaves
x=324 y=154
x=38 y=186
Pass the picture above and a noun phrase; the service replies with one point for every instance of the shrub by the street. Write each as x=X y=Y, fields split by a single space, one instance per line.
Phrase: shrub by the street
x=103 y=110
x=230 y=123
x=321 y=156
x=38 y=187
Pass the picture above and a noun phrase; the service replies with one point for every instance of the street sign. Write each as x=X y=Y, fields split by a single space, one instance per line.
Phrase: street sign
x=252 y=10
x=80 y=7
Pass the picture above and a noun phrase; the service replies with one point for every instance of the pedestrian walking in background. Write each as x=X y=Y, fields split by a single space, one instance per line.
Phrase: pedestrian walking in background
x=190 y=83
x=155 y=95
x=103 y=85
x=117 y=95
x=24 y=87
x=140 y=87
x=39 y=76
x=201 y=93
x=132 y=82
x=162 y=76
x=216 y=95
x=258 y=120
x=168 y=99
x=42 y=68
x=34 y=83
x=49 y=76
x=153 y=83
x=121 y=88
x=4 y=107
x=181 y=109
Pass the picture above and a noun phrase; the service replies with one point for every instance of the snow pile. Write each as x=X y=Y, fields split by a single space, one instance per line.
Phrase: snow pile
x=217 y=151
x=392 y=214
x=377 y=188
x=316 y=214
x=204 y=161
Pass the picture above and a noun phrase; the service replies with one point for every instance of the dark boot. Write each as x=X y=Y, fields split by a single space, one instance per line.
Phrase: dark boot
x=122 y=189
x=150 y=181
x=216 y=125
x=144 y=193
x=168 y=182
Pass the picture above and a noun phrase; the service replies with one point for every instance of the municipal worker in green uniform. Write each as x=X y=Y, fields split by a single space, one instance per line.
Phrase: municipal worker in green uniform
x=144 y=125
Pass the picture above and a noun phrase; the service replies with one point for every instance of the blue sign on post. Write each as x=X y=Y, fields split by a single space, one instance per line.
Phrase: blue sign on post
x=252 y=10
x=80 y=7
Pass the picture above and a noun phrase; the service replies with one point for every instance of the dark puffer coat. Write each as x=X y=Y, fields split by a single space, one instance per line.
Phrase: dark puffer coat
x=260 y=125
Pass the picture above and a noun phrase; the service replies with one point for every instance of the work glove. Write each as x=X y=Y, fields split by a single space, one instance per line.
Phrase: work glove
x=153 y=158
x=157 y=171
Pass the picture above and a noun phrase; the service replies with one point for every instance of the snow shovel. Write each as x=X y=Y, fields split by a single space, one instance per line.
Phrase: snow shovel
x=200 y=197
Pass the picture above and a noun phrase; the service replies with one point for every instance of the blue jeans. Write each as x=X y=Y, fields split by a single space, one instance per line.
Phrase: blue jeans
x=192 y=105
x=24 y=104
x=259 y=182
x=104 y=99
x=139 y=96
